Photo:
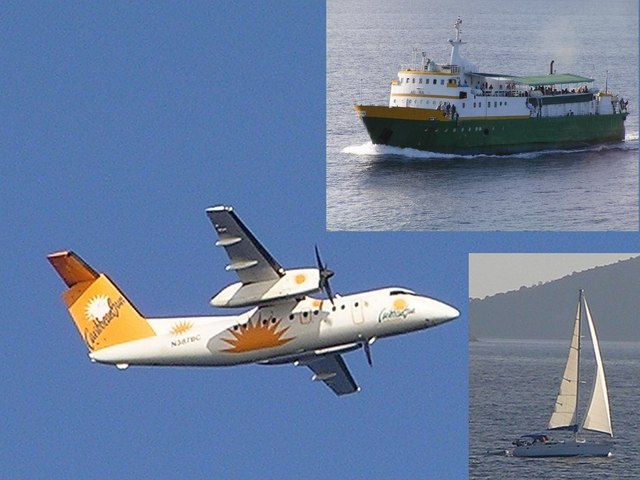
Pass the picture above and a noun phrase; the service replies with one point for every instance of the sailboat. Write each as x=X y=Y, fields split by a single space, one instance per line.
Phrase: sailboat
x=565 y=416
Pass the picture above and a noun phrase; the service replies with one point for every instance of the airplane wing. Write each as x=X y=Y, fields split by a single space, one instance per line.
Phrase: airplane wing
x=332 y=370
x=249 y=259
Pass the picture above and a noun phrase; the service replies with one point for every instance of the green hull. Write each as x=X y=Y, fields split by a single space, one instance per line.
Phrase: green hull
x=500 y=136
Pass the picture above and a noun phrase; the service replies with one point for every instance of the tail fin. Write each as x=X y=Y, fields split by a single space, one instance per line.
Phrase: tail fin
x=102 y=314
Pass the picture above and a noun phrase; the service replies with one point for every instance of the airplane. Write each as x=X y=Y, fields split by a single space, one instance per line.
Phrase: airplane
x=284 y=324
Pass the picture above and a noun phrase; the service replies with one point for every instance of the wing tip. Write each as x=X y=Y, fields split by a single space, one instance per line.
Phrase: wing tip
x=220 y=208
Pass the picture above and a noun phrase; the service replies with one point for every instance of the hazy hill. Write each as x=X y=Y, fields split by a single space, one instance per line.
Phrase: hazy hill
x=546 y=311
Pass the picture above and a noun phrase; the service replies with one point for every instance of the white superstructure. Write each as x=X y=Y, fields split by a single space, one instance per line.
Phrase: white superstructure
x=459 y=89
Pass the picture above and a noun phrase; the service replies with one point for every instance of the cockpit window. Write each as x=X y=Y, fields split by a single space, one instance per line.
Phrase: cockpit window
x=401 y=292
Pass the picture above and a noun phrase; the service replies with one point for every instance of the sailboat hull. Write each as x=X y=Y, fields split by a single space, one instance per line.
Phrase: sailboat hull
x=563 y=449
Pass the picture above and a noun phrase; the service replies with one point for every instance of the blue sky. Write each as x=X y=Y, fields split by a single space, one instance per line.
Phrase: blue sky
x=122 y=122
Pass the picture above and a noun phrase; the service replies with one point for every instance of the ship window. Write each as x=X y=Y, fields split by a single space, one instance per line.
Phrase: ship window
x=495 y=104
x=413 y=80
x=420 y=81
x=291 y=317
x=474 y=104
x=305 y=314
x=463 y=104
x=407 y=79
x=441 y=82
x=480 y=104
x=435 y=81
x=489 y=104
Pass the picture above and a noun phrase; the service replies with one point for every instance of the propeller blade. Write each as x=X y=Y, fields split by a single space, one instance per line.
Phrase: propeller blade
x=325 y=275
x=367 y=352
x=318 y=260
x=329 y=292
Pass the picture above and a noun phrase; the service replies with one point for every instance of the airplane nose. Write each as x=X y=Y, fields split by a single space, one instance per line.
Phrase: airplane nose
x=449 y=312
x=440 y=312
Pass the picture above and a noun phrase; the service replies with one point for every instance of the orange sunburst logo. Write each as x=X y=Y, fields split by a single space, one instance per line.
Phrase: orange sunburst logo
x=399 y=304
x=263 y=333
x=181 y=327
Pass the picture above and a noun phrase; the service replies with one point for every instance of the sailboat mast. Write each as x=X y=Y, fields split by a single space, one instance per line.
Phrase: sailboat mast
x=580 y=309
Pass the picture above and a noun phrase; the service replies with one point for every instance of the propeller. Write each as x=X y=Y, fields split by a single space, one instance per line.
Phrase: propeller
x=325 y=275
x=366 y=345
x=367 y=351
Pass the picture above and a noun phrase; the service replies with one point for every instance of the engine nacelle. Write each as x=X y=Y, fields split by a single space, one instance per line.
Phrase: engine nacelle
x=294 y=283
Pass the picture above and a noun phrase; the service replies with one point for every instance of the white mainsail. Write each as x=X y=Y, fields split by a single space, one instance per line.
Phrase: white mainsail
x=564 y=412
x=598 y=417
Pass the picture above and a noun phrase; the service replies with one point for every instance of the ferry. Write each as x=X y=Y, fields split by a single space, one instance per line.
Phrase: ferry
x=454 y=108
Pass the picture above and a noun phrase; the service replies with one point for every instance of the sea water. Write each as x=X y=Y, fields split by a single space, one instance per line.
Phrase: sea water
x=512 y=389
x=371 y=187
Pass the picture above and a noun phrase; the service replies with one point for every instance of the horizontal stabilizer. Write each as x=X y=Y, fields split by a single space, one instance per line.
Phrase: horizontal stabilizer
x=72 y=268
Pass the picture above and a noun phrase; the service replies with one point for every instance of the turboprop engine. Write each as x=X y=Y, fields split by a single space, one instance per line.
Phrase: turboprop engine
x=293 y=284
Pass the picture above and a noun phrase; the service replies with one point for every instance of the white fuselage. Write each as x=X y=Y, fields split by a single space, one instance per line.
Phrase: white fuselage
x=282 y=332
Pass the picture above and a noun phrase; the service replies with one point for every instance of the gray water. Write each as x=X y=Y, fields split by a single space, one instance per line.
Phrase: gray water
x=512 y=389
x=384 y=188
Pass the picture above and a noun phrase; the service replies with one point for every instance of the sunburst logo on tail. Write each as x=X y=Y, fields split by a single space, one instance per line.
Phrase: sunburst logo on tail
x=100 y=311
x=97 y=308
x=254 y=336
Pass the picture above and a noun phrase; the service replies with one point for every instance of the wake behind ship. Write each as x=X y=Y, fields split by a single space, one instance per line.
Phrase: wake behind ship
x=454 y=108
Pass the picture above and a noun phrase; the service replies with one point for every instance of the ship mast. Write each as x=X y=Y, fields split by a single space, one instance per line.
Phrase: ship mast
x=455 y=44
